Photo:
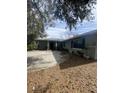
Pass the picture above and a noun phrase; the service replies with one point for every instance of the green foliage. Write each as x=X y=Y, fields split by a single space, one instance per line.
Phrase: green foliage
x=73 y=11
x=36 y=19
x=31 y=43
x=32 y=46
x=35 y=23
x=40 y=13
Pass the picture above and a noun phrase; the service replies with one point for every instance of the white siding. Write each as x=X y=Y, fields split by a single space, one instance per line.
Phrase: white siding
x=90 y=44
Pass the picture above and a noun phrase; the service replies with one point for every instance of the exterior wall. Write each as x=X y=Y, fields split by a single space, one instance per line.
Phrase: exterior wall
x=59 y=45
x=42 y=45
x=67 y=45
x=91 y=52
x=91 y=40
x=53 y=45
x=91 y=45
x=90 y=49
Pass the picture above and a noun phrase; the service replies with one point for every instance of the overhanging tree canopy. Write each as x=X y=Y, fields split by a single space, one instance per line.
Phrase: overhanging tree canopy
x=41 y=12
x=72 y=11
x=38 y=15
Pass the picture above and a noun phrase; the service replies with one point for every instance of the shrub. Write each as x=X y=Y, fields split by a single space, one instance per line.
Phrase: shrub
x=32 y=46
x=31 y=43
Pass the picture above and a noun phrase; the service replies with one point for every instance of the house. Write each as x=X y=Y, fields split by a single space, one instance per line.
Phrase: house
x=49 y=44
x=84 y=44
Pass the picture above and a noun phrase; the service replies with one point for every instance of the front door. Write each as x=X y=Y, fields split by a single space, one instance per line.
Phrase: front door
x=52 y=45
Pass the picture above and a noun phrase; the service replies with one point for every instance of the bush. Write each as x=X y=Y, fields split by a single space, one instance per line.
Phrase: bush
x=32 y=46
x=31 y=43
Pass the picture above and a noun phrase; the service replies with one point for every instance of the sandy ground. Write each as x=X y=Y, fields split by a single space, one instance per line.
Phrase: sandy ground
x=74 y=75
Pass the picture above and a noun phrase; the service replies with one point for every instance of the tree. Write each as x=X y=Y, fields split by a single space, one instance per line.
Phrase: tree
x=40 y=14
x=70 y=11
x=73 y=11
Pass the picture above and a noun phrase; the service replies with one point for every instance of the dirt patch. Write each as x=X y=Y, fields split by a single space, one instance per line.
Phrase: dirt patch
x=75 y=75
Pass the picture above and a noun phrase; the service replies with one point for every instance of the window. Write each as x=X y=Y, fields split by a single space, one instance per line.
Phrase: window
x=78 y=43
x=83 y=43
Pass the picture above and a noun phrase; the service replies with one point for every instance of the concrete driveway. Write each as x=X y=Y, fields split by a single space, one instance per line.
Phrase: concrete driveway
x=43 y=59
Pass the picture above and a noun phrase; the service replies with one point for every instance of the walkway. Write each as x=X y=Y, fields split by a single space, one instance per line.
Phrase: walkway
x=43 y=59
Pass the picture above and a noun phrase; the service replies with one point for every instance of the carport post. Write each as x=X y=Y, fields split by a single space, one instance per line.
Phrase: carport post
x=47 y=45
x=56 y=45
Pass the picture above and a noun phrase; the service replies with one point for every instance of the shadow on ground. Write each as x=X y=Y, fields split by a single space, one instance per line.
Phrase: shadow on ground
x=72 y=60
x=31 y=60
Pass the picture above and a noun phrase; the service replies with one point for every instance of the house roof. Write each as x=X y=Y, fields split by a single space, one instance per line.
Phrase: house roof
x=76 y=36
x=59 y=33
x=84 y=34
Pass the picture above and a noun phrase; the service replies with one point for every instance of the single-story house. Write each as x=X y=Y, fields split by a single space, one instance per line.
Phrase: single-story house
x=49 y=44
x=84 y=44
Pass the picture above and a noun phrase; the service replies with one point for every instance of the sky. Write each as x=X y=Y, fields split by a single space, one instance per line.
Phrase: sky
x=59 y=31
